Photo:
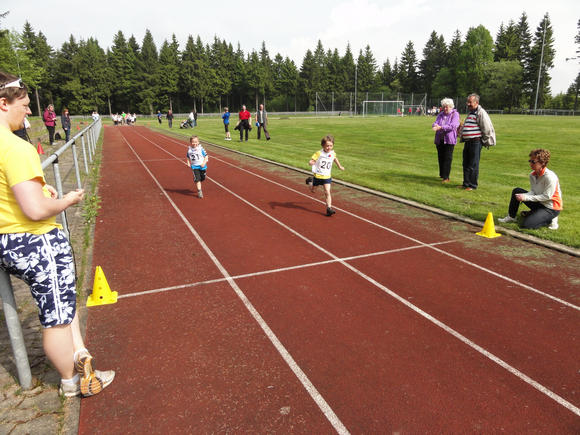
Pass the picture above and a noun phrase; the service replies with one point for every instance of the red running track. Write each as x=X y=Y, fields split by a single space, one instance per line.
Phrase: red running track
x=251 y=311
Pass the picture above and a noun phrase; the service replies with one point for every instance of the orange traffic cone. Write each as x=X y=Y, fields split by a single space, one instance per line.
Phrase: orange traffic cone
x=102 y=293
x=488 y=228
x=39 y=149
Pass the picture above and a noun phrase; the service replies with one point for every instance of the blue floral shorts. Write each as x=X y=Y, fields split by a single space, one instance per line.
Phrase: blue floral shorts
x=46 y=264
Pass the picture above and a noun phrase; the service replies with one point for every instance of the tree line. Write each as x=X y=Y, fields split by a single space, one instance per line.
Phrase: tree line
x=129 y=76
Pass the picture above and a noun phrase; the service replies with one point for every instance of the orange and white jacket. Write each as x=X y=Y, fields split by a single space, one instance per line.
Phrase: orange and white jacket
x=545 y=188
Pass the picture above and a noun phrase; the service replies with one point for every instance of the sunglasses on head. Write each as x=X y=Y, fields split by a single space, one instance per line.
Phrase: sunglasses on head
x=15 y=84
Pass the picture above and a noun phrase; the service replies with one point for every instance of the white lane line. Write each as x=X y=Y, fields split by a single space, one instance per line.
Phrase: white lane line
x=299 y=373
x=441 y=251
x=271 y=271
x=560 y=400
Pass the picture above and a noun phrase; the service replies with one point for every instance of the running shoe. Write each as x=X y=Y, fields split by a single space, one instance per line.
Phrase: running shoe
x=92 y=381
x=507 y=220
x=330 y=211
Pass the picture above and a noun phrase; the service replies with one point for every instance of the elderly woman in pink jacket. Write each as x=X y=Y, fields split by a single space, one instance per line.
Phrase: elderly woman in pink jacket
x=445 y=128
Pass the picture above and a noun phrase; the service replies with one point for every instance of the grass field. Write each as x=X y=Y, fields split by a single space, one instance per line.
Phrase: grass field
x=397 y=156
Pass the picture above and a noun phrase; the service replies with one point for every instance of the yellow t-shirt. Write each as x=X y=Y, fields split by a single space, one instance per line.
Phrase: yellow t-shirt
x=19 y=162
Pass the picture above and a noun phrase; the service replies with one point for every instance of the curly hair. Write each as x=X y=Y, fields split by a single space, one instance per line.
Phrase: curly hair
x=541 y=155
x=11 y=93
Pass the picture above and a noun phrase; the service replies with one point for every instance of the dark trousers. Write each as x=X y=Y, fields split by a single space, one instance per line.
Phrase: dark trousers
x=67 y=134
x=244 y=126
x=50 y=129
x=471 y=156
x=261 y=126
x=539 y=216
x=445 y=156
x=170 y=122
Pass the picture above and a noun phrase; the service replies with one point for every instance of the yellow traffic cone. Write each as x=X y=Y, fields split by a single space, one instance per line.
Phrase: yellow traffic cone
x=488 y=228
x=102 y=293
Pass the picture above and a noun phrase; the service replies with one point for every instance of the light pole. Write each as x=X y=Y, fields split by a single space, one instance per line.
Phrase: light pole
x=540 y=67
x=355 y=85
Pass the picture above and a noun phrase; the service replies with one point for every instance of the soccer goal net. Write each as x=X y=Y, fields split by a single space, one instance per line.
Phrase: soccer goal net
x=382 y=108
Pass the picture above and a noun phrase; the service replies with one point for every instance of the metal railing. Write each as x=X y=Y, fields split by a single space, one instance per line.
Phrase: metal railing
x=88 y=138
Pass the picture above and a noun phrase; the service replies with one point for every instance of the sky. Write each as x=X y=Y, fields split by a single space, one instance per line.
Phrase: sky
x=292 y=27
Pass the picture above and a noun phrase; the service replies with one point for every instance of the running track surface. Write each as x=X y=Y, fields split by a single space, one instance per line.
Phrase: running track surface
x=250 y=311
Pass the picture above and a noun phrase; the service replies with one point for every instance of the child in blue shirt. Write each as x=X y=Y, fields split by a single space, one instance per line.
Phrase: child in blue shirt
x=226 y=118
x=197 y=159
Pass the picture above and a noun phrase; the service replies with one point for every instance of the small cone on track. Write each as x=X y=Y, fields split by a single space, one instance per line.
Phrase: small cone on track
x=102 y=294
x=39 y=149
x=488 y=228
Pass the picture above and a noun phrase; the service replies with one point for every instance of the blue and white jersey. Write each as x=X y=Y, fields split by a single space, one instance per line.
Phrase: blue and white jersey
x=196 y=156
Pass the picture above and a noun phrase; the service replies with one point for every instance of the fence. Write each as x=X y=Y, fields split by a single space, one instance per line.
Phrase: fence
x=88 y=138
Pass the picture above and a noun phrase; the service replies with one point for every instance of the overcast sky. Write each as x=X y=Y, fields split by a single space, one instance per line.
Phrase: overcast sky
x=292 y=27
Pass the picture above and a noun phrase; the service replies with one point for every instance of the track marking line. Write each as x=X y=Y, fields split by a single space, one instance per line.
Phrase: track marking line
x=271 y=271
x=463 y=260
x=298 y=372
x=558 y=399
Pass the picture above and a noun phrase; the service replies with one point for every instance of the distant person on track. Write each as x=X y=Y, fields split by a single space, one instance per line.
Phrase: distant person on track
x=197 y=160
x=445 y=128
x=226 y=120
x=544 y=198
x=34 y=248
x=49 y=118
x=245 y=122
x=477 y=131
x=321 y=163
x=262 y=121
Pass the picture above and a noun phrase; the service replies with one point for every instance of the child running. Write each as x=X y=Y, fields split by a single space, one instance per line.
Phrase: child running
x=197 y=159
x=321 y=162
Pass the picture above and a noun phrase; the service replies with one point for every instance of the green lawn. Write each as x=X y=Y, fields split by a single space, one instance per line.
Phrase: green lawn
x=397 y=156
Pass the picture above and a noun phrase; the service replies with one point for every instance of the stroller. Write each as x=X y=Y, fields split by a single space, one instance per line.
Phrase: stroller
x=188 y=123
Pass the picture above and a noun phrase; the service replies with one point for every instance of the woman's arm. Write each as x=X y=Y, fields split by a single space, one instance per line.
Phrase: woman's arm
x=36 y=206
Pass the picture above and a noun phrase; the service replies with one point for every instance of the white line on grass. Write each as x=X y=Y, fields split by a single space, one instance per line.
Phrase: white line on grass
x=308 y=385
x=560 y=400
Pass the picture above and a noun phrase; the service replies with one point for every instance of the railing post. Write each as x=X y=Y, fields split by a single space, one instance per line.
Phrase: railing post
x=15 y=331
x=76 y=163
x=58 y=182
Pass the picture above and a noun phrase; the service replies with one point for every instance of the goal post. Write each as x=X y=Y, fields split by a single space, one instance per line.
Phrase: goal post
x=382 y=108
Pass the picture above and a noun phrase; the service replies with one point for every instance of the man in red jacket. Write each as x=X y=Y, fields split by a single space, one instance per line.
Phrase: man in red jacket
x=245 y=122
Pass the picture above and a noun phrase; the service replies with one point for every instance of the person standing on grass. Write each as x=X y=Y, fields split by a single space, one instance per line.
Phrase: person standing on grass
x=49 y=118
x=169 y=117
x=226 y=120
x=262 y=121
x=544 y=198
x=477 y=131
x=66 y=124
x=34 y=248
x=197 y=160
x=321 y=163
x=245 y=122
x=445 y=128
